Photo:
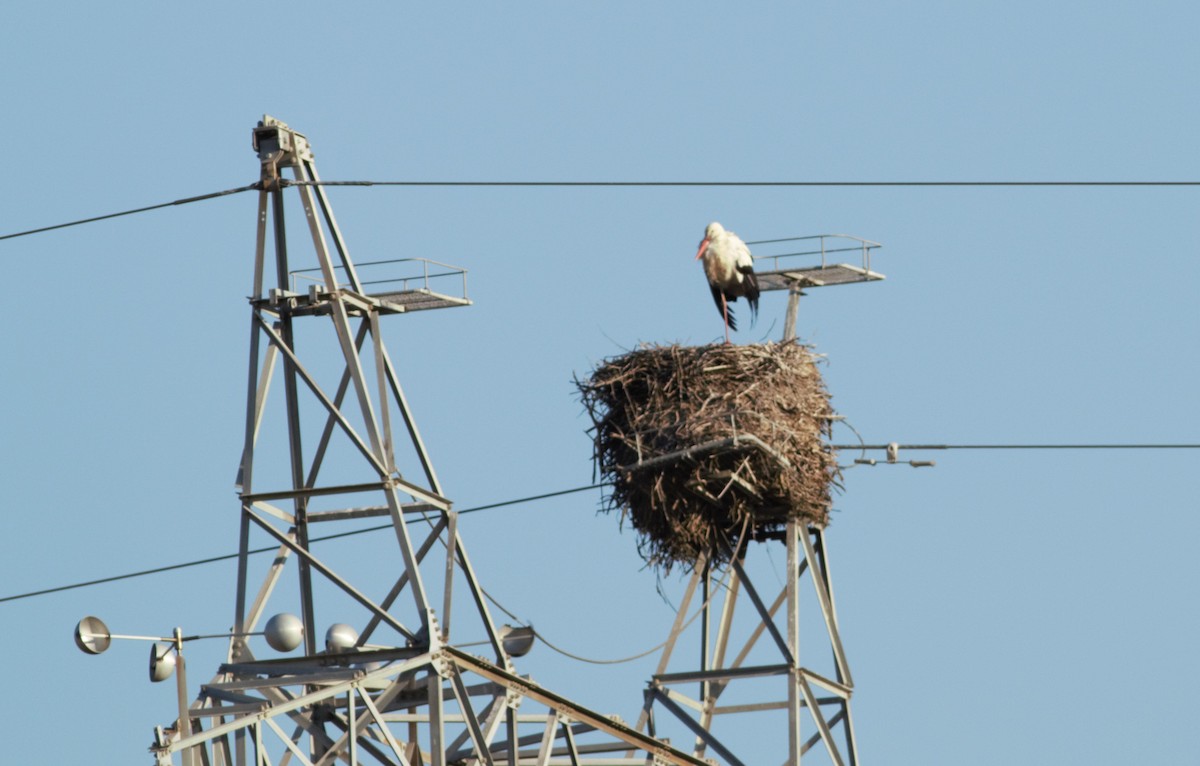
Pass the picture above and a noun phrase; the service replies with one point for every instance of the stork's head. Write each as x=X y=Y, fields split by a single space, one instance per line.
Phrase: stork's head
x=713 y=231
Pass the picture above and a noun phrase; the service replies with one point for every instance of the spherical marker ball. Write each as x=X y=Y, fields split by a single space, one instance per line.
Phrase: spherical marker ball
x=340 y=638
x=284 y=632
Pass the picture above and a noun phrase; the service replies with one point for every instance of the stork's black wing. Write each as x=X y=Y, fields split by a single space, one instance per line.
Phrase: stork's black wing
x=724 y=310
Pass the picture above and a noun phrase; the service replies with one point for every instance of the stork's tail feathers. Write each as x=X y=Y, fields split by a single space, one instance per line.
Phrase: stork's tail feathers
x=752 y=293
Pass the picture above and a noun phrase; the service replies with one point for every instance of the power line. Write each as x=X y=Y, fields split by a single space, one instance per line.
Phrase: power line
x=893 y=450
x=184 y=201
x=746 y=183
x=532 y=498
x=610 y=184
x=227 y=557
x=1011 y=446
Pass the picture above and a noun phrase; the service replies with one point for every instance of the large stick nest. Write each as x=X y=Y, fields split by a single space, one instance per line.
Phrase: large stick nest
x=706 y=446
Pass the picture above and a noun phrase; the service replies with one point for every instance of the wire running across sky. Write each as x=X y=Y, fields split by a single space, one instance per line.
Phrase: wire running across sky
x=271 y=548
x=1011 y=446
x=573 y=490
x=743 y=183
x=610 y=184
x=148 y=208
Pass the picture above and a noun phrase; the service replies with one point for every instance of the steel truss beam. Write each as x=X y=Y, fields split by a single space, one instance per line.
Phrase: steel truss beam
x=365 y=704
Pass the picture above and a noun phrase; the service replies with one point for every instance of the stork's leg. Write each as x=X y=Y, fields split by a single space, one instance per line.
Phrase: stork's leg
x=725 y=314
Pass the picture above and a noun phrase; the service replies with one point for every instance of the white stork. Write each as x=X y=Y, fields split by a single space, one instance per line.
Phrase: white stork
x=730 y=272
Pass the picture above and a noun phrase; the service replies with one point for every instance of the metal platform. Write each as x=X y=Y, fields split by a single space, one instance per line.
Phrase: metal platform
x=418 y=300
x=815 y=276
x=392 y=286
x=788 y=270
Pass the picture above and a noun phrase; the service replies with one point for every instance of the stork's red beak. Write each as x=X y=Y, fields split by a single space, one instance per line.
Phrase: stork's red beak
x=703 y=247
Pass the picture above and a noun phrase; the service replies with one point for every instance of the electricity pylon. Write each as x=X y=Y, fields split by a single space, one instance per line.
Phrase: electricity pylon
x=388 y=685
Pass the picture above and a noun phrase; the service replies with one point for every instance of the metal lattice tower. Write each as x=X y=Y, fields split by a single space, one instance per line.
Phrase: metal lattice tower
x=758 y=658
x=389 y=686
x=761 y=652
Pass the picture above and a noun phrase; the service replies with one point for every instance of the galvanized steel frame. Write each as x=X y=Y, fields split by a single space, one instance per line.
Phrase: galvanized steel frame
x=829 y=715
x=399 y=704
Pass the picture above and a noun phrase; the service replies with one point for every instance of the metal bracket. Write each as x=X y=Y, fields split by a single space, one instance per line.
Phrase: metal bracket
x=893 y=458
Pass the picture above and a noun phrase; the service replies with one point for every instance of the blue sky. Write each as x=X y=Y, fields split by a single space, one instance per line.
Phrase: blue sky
x=1031 y=606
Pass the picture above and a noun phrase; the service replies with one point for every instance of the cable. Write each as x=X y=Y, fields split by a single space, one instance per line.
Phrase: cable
x=626 y=184
x=637 y=656
x=532 y=498
x=496 y=603
x=740 y=183
x=114 y=578
x=184 y=201
x=268 y=549
x=463 y=512
x=722 y=585
x=700 y=610
x=1013 y=446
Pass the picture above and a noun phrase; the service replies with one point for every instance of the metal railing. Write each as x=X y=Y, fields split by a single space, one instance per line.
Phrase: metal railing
x=863 y=246
x=407 y=281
